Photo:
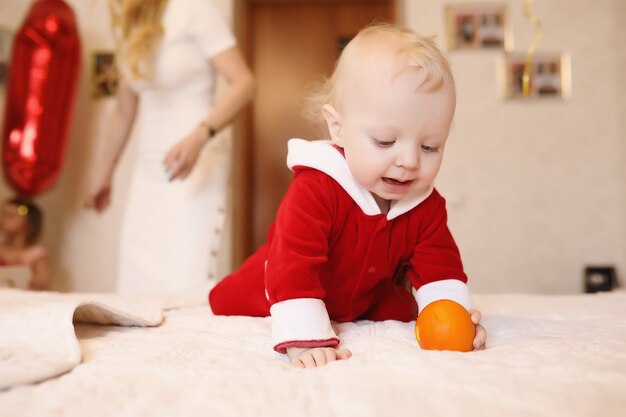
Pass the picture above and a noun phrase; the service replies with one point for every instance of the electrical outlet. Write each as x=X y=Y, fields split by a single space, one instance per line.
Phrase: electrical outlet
x=599 y=278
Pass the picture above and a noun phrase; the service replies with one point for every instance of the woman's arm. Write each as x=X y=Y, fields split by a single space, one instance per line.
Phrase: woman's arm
x=233 y=67
x=182 y=157
x=121 y=125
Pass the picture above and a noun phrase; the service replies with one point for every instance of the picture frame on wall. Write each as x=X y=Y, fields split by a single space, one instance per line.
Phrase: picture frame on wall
x=549 y=75
x=478 y=26
x=104 y=75
x=6 y=43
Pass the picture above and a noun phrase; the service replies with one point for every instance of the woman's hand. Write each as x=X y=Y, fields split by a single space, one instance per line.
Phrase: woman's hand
x=181 y=158
x=100 y=195
x=312 y=358
x=480 y=339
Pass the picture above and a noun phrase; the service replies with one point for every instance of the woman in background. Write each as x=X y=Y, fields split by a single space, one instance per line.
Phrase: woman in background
x=21 y=224
x=169 y=54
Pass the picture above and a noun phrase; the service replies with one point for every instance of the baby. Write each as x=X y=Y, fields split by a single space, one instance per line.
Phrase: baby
x=361 y=233
x=21 y=224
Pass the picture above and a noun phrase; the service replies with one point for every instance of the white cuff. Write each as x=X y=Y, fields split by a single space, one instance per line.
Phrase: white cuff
x=447 y=289
x=301 y=322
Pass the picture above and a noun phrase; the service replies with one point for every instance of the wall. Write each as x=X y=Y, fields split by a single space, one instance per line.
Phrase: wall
x=619 y=16
x=536 y=190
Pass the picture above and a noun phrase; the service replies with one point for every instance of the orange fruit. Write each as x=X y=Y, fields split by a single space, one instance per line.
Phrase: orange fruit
x=445 y=325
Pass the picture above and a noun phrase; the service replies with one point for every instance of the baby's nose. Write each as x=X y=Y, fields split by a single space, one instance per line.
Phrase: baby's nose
x=409 y=160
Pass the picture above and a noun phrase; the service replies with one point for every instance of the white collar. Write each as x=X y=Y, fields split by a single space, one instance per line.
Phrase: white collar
x=321 y=155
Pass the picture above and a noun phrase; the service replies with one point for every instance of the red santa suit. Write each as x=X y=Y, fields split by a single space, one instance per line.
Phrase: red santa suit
x=333 y=255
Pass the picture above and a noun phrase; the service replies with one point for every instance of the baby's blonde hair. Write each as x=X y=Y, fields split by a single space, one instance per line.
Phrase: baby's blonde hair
x=400 y=48
x=137 y=28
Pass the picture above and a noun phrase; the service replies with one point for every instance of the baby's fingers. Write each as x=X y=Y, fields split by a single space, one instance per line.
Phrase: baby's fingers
x=319 y=357
x=304 y=361
x=480 y=338
x=322 y=356
x=476 y=316
x=343 y=354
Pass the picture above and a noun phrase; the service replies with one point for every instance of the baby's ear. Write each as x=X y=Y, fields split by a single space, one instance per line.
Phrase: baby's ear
x=334 y=123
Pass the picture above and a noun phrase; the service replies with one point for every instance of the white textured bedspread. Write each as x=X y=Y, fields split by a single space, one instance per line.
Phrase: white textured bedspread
x=546 y=356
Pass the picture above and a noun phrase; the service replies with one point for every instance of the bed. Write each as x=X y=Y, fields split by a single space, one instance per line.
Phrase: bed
x=105 y=355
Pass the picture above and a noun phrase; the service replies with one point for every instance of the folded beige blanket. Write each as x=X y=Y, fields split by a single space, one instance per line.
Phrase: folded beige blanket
x=37 y=339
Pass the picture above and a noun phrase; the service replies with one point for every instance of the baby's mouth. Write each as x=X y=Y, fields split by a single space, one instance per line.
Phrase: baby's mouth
x=394 y=181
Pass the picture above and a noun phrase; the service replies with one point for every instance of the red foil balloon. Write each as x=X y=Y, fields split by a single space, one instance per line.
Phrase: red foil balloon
x=41 y=89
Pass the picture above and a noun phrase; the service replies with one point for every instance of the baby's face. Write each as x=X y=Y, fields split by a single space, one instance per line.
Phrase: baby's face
x=394 y=134
x=11 y=222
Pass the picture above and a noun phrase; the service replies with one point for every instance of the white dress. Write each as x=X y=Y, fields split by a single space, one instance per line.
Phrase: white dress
x=172 y=231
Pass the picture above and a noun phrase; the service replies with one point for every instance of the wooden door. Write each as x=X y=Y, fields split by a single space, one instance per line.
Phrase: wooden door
x=290 y=45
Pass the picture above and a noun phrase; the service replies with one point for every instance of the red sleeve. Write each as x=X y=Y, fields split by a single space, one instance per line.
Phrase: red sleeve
x=300 y=242
x=298 y=248
x=436 y=256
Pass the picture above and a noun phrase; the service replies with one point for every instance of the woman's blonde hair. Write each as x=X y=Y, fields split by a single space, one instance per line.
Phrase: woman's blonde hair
x=137 y=28
x=402 y=49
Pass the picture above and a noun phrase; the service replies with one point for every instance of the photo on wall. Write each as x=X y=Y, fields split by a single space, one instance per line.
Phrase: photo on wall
x=477 y=26
x=104 y=76
x=6 y=42
x=548 y=75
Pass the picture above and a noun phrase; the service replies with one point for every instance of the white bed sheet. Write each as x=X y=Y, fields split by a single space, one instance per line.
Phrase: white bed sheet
x=546 y=356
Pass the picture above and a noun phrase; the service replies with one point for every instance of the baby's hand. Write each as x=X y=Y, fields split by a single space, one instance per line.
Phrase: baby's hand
x=311 y=358
x=481 y=334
